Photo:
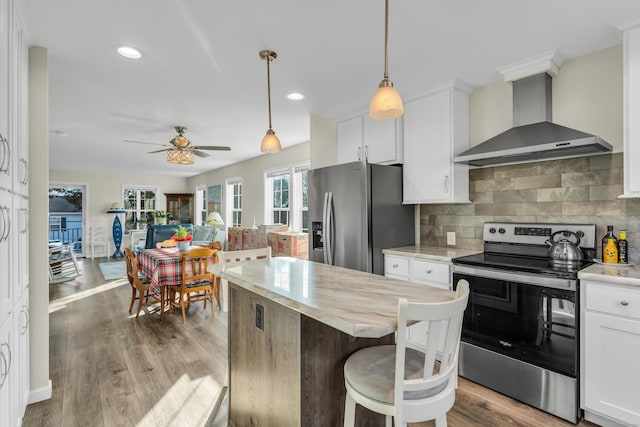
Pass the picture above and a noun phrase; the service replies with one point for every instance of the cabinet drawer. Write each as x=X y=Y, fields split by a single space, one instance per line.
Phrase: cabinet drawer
x=429 y=271
x=396 y=266
x=614 y=300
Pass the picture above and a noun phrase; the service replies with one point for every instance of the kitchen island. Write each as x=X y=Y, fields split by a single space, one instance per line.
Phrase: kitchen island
x=292 y=325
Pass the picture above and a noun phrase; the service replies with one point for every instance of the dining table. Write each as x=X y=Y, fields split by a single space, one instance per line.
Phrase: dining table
x=163 y=267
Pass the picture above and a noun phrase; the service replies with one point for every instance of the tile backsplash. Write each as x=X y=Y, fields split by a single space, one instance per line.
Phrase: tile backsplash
x=577 y=190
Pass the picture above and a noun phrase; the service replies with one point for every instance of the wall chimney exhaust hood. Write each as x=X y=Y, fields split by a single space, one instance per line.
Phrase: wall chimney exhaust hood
x=533 y=136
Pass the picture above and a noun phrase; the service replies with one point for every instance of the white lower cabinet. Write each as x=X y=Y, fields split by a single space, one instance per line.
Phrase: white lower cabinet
x=8 y=395
x=610 y=347
x=423 y=271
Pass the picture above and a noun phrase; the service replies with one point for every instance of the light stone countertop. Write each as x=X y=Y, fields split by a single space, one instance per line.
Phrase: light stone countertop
x=356 y=303
x=629 y=276
x=429 y=252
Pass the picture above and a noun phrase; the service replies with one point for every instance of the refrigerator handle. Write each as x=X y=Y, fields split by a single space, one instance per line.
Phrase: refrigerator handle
x=330 y=229
x=324 y=228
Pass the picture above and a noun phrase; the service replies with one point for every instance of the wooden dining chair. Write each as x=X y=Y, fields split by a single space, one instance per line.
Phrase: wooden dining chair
x=226 y=257
x=140 y=285
x=198 y=285
x=410 y=384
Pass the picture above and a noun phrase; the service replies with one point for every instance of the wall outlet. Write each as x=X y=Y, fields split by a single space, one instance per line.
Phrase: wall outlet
x=451 y=237
x=260 y=317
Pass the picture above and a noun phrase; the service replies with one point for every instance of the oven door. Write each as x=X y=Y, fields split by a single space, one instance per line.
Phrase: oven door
x=522 y=316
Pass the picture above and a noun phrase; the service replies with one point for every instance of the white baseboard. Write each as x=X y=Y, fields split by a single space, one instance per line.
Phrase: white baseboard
x=40 y=394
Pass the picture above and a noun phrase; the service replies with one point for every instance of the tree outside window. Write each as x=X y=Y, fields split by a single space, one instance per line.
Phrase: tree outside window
x=286 y=195
x=234 y=202
x=280 y=208
x=140 y=204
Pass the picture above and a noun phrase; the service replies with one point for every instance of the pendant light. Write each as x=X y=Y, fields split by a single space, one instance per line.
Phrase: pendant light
x=386 y=102
x=270 y=142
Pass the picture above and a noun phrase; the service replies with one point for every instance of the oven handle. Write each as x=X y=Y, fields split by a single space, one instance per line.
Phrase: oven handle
x=529 y=279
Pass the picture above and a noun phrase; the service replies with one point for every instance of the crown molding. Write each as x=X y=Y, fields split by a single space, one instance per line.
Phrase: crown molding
x=546 y=62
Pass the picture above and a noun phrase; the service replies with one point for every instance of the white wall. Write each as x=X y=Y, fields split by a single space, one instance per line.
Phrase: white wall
x=40 y=385
x=322 y=148
x=252 y=173
x=587 y=96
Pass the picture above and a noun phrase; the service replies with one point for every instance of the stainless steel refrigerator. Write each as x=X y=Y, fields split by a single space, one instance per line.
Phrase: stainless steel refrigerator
x=355 y=211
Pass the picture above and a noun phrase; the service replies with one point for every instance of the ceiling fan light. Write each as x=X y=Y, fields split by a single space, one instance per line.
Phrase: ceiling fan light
x=270 y=143
x=180 y=157
x=386 y=103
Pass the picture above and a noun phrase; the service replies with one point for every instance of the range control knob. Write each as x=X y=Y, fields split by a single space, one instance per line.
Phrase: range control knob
x=502 y=230
x=492 y=230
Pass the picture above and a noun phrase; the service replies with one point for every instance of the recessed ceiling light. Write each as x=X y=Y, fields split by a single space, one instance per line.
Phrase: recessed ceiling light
x=130 y=52
x=294 y=96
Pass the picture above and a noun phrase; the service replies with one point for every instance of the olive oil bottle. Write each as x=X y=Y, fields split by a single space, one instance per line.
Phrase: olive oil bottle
x=623 y=248
x=610 y=247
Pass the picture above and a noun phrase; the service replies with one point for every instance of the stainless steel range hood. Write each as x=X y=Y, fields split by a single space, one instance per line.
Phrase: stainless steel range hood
x=534 y=137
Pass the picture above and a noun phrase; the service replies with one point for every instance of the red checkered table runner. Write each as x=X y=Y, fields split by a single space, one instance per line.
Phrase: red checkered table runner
x=162 y=266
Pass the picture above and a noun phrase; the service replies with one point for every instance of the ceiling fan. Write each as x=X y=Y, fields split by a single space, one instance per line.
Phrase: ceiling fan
x=181 y=143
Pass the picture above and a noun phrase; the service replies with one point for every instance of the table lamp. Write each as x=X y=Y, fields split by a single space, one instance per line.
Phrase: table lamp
x=214 y=218
x=116 y=208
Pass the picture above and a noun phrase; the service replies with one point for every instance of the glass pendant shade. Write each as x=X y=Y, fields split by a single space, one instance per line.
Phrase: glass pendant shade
x=270 y=143
x=386 y=102
x=180 y=157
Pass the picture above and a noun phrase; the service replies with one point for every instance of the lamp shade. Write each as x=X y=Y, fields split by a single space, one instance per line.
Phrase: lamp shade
x=270 y=143
x=215 y=219
x=116 y=207
x=386 y=102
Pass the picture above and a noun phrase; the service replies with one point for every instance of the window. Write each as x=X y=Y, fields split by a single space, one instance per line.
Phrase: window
x=201 y=205
x=286 y=197
x=140 y=204
x=234 y=202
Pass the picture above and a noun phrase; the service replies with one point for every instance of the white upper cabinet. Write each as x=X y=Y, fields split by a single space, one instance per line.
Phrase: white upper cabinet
x=361 y=138
x=631 y=100
x=18 y=123
x=5 y=147
x=436 y=129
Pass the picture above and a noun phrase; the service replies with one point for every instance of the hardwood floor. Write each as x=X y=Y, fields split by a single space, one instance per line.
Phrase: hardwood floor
x=109 y=369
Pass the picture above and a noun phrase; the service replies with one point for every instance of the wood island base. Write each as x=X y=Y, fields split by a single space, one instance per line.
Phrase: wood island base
x=286 y=369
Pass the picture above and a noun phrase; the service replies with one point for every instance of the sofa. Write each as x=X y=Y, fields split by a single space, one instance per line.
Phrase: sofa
x=202 y=234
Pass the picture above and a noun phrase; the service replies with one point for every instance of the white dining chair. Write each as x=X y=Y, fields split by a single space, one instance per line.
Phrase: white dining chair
x=235 y=257
x=401 y=381
x=99 y=238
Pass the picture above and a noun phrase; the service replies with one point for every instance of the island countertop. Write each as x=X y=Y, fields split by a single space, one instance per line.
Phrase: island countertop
x=356 y=303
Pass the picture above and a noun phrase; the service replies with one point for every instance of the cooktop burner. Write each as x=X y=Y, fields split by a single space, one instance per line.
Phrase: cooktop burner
x=525 y=264
x=524 y=247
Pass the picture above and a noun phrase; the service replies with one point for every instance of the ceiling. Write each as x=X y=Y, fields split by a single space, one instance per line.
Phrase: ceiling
x=201 y=67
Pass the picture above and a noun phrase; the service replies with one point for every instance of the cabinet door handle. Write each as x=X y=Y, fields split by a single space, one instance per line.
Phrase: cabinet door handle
x=4 y=164
x=625 y=303
x=25 y=178
x=359 y=153
x=429 y=271
x=366 y=153
x=4 y=369
x=25 y=213
x=395 y=265
x=6 y=225
x=446 y=183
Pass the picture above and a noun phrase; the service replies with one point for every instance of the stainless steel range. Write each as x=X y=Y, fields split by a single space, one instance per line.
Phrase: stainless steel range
x=520 y=331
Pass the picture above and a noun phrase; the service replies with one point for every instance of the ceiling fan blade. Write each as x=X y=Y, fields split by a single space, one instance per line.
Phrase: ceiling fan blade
x=212 y=147
x=160 y=151
x=144 y=142
x=200 y=153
